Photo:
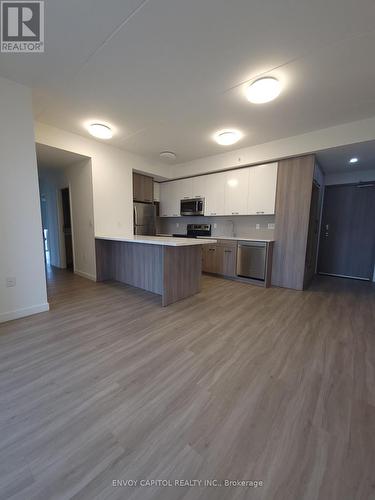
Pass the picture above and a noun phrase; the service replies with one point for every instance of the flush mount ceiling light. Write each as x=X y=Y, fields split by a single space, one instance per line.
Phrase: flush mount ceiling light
x=353 y=160
x=232 y=182
x=263 y=90
x=227 y=137
x=100 y=131
x=168 y=155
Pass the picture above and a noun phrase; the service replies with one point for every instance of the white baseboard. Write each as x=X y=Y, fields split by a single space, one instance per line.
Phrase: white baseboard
x=21 y=313
x=85 y=275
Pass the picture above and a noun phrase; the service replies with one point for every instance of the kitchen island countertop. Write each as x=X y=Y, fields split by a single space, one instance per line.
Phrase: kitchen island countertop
x=168 y=241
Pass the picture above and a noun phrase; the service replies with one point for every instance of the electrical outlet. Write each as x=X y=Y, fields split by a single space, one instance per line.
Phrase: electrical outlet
x=257 y=226
x=10 y=281
x=271 y=225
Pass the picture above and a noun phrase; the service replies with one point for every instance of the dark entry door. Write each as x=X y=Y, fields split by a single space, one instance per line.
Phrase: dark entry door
x=67 y=227
x=347 y=242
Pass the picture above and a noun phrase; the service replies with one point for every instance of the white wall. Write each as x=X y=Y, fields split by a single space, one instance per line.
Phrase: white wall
x=21 y=242
x=51 y=181
x=79 y=177
x=349 y=133
x=111 y=177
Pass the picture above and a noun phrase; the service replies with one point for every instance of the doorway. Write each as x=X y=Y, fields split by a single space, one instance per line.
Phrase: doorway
x=347 y=242
x=44 y=214
x=67 y=228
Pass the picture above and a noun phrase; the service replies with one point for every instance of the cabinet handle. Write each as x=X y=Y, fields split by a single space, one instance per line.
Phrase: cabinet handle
x=228 y=251
x=260 y=212
x=234 y=213
x=213 y=213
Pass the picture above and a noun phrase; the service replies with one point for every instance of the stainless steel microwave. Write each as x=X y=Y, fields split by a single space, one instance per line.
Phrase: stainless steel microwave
x=192 y=207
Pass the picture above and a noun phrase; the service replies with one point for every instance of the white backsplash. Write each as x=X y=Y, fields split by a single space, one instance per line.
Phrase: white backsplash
x=240 y=226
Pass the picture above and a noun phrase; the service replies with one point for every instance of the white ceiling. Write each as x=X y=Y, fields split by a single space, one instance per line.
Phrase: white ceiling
x=337 y=159
x=168 y=73
x=49 y=157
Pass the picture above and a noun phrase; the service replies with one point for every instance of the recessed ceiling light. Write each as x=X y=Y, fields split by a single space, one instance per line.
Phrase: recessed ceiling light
x=263 y=90
x=353 y=160
x=168 y=155
x=100 y=130
x=227 y=137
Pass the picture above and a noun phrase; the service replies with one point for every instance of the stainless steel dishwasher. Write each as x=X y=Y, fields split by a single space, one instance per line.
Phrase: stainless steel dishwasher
x=251 y=259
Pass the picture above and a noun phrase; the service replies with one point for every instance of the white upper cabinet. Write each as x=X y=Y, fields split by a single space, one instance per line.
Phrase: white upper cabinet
x=184 y=188
x=244 y=191
x=262 y=189
x=156 y=191
x=165 y=199
x=169 y=199
x=214 y=194
x=236 y=191
x=199 y=187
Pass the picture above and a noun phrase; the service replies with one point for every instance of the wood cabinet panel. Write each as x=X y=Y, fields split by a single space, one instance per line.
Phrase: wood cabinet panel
x=228 y=260
x=293 y=198
x=143 y=188
x=210 y=259
x=219 y=259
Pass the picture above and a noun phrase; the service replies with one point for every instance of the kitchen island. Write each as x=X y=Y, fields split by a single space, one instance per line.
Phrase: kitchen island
x=170 y=267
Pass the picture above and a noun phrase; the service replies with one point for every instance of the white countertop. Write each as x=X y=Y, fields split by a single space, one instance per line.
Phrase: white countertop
x=236 y=238
x=168 y=241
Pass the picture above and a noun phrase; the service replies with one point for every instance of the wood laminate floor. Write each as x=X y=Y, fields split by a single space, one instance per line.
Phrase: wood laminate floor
x=238 y=382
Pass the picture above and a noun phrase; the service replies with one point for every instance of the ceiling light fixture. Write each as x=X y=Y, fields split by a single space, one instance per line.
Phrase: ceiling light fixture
x=100 y=131
x=227 y=137
x=353 y=160
x=168 y=155
x=263 y=90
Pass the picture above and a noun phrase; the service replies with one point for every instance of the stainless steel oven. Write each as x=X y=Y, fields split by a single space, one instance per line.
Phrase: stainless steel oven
x=192 y=207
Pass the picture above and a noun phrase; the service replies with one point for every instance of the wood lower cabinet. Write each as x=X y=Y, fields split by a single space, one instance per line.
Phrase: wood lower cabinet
x=143 y=188
x=220 y=258
x=228 y=258
x=210 y=260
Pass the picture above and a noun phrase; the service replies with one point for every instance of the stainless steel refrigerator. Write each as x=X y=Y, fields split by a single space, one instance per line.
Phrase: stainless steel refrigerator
x=144 y=219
